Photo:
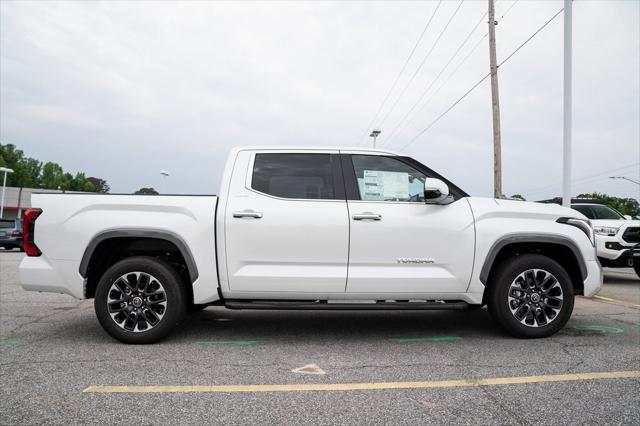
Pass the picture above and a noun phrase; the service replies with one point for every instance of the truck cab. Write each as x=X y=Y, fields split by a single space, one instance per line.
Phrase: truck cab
x=366 y=228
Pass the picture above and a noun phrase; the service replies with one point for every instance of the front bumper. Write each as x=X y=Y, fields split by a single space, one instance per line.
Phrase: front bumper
x=594 y=280
x=611 y=248
x=626 y=258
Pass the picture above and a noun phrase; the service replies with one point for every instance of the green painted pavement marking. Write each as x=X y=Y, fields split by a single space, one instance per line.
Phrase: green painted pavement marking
x=227 y=342
x=595 y=327
x=426 y=339
x=9 y=342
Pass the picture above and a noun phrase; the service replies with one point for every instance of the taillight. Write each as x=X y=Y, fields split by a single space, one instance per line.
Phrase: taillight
x=16 y=233
x=28 y=227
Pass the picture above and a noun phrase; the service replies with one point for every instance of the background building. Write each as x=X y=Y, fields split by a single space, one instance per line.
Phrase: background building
x=17 y=200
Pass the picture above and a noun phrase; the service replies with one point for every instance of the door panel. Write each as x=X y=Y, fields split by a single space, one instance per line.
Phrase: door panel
x=399 y=244
x=412 y=248
x=276 y=244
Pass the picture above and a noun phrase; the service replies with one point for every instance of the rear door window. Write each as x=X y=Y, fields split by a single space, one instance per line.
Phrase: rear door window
x=296 y=176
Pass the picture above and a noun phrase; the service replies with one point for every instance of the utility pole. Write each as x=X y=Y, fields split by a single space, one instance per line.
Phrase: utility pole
x=566 y=106
x=495 y=101
x=374 y=135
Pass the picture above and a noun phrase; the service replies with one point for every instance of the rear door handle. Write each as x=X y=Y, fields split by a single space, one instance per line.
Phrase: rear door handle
x=367 y=216
x=248 y=213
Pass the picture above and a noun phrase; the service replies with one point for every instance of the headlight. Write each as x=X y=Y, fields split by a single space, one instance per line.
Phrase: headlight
x=583 y=224
x=606 y=230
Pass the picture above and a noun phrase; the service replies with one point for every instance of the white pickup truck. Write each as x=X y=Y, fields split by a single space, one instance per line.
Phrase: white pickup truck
x=311 y=229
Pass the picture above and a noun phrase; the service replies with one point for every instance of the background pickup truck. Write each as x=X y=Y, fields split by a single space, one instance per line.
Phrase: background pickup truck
x=311 y=229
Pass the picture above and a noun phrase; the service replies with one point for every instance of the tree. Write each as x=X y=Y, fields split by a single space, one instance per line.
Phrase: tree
x=88 y=187
x=26 y=171
x=100 y=185
x=146 y=191
x=52 y=176
x=78 y=182
x=31 y=173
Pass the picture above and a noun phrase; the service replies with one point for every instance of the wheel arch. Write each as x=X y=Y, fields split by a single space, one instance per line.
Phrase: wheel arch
x=561 y=249
x=108 y=247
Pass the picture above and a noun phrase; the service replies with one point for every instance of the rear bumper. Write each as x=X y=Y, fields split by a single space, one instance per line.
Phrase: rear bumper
x=53 y=276
x=593 y=282
x=10 y=242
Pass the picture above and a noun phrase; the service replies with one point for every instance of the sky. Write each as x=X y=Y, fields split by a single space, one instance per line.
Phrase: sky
x=122 y=90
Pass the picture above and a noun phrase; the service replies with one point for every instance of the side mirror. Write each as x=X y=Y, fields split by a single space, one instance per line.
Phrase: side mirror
x=436 y=192
x=626 y=216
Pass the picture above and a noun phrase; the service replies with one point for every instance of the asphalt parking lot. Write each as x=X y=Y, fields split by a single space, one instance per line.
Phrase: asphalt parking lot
x=52 y=349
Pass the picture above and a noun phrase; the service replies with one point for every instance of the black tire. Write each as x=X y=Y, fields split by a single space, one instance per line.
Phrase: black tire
x=161 y=281
x=537 y=320
x=636 y=267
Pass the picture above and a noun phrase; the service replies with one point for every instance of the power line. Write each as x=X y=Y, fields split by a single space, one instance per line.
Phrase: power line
x=507 y=11
x=406 y=62
x=464 y=42
x=532 y=36
x=457 y=68
x=424 y=60
x=580 y=179
x=447 y=79
x=423 y=131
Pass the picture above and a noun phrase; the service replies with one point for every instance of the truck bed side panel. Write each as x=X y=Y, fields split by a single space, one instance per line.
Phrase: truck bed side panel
x=69 y=223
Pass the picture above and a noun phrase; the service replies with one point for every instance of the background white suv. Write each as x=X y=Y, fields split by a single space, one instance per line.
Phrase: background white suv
x=617 y=238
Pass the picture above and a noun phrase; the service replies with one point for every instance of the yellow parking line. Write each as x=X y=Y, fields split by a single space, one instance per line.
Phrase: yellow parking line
x=619 y=302
x=329 y=387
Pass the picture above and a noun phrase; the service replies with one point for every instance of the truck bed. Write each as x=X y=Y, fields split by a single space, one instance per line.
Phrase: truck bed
x=71 y=225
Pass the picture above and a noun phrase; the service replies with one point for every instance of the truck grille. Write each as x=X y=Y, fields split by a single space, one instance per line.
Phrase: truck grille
x=632 y=234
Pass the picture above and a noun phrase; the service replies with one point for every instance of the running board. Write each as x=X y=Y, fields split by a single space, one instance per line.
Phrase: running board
x=324 y=306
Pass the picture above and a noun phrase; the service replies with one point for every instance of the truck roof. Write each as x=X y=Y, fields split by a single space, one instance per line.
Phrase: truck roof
x=343 y=149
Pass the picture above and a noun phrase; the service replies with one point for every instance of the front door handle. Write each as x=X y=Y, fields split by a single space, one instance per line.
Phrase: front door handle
x=367 y=216
x=248 y=213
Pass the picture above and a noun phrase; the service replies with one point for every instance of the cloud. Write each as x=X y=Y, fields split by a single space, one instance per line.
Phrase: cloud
x=122 y=90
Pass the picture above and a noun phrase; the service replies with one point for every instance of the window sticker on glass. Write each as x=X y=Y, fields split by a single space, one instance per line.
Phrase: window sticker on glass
x=372 y=185
x=390 y=186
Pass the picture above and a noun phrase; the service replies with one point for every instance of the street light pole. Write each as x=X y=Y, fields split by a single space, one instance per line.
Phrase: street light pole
x=6 y=170
x=566 y=105
x=374 y=135
x=164 y=174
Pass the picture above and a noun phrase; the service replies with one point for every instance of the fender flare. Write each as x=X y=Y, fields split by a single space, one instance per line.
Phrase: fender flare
x=140 y=233
x=530 y=238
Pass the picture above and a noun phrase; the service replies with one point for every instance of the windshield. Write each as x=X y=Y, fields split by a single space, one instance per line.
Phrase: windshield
x=598 y=211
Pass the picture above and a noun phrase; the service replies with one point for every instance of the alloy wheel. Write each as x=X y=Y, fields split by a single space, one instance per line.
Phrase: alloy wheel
x=535 y=298
x=137 y=301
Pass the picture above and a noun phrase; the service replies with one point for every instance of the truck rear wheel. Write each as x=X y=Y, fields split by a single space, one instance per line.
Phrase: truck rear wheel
x=531 y=296
x=140 y=300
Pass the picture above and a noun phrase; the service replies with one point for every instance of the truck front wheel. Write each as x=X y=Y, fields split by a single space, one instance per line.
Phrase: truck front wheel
x=531 y=296
x=140 y=300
